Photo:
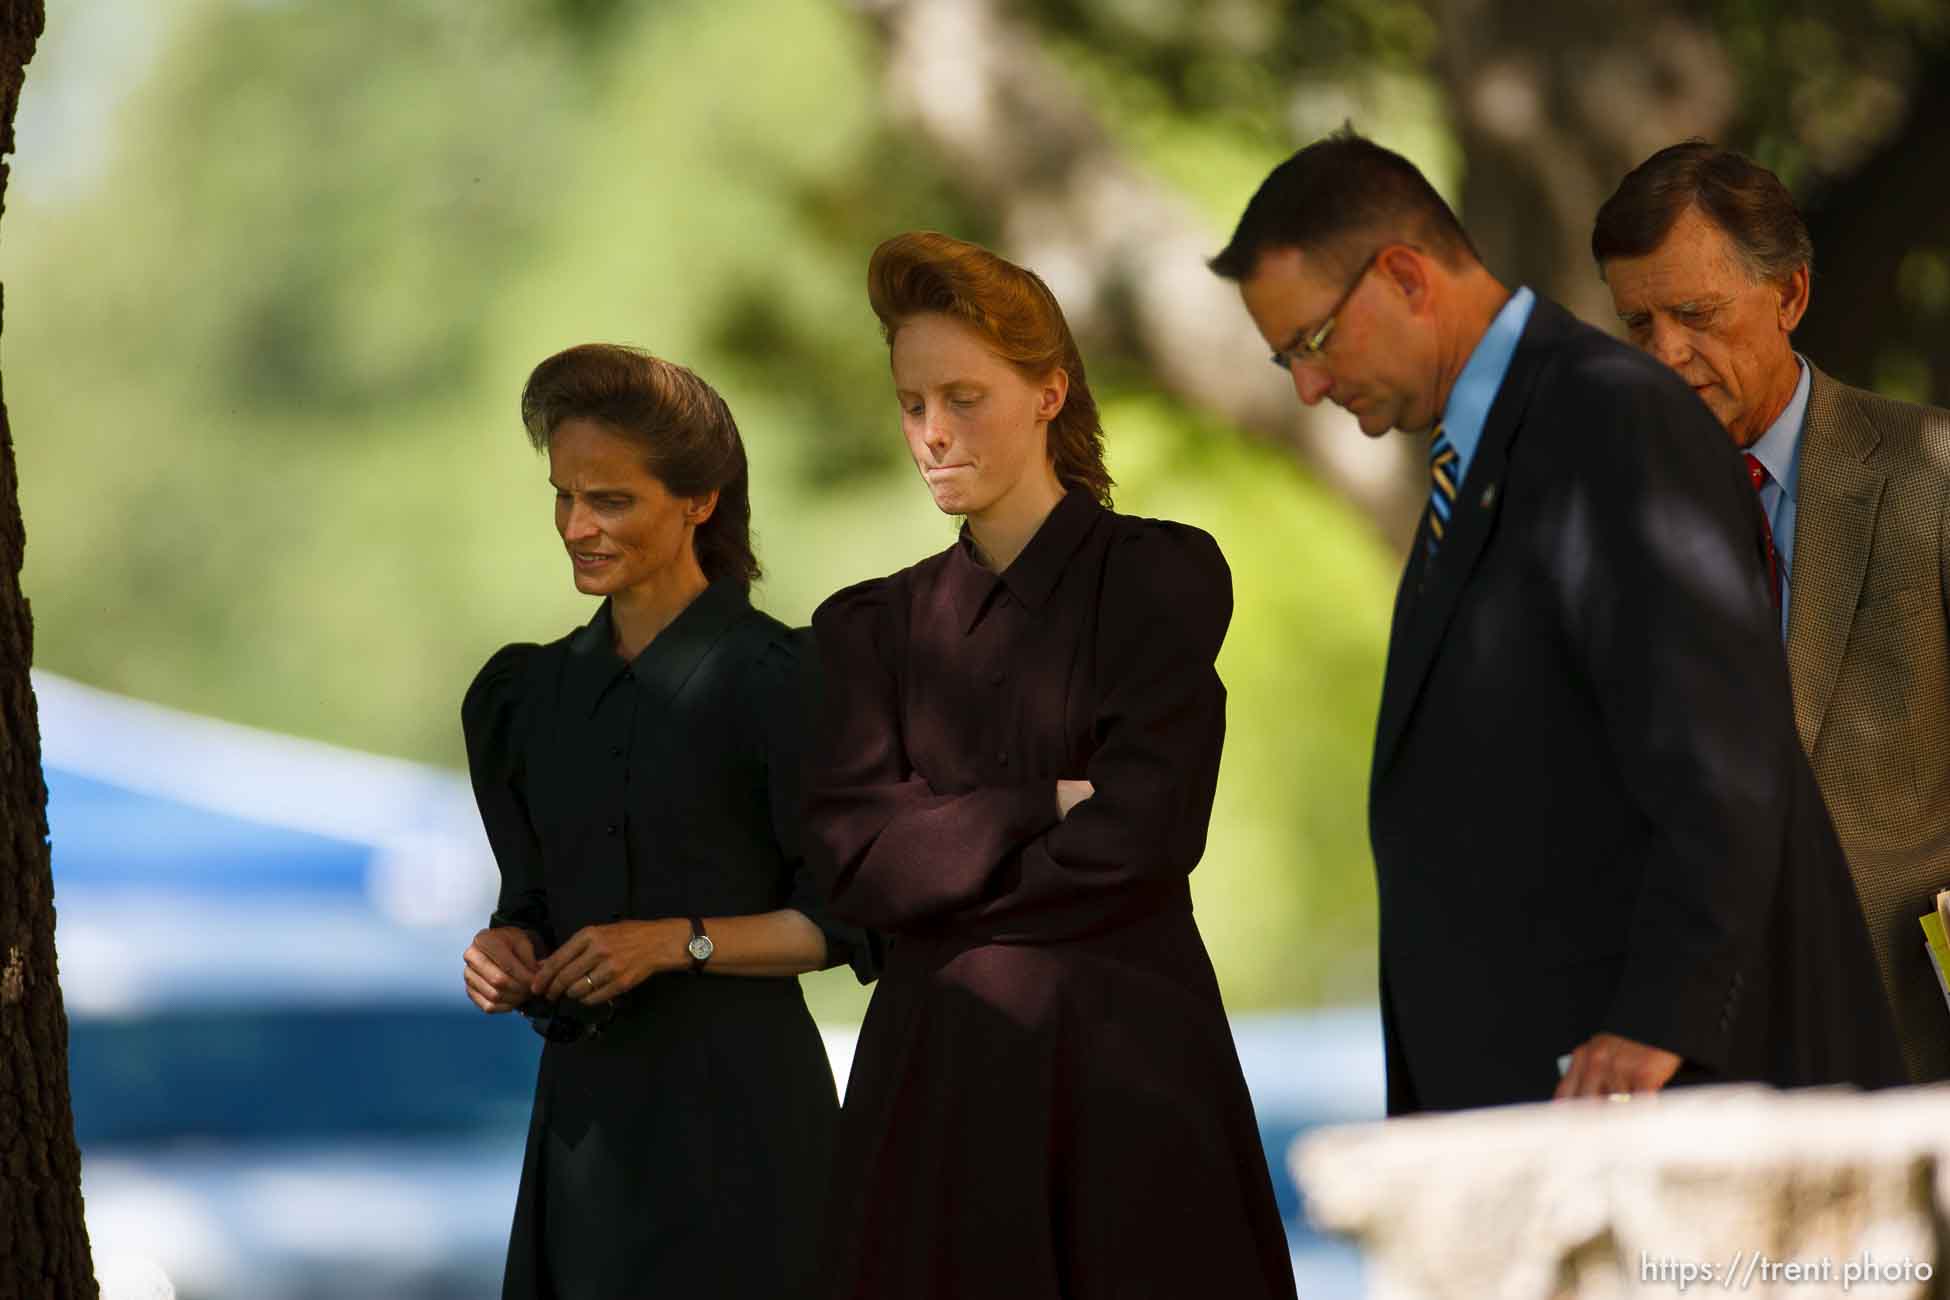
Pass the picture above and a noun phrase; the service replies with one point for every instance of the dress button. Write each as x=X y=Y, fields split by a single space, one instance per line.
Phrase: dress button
x=610 y=829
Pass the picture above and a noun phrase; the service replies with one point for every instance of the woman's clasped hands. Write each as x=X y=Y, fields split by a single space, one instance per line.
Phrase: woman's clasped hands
x=597 y=963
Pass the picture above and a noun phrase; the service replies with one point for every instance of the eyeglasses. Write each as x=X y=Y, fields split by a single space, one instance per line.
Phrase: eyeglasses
x=552 y=1022
x=1308 y=346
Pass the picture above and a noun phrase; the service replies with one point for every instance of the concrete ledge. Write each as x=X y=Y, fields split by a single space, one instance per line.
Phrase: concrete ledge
x=1732 y=1190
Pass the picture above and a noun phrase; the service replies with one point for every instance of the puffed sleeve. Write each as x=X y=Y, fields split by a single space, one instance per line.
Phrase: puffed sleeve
x=784 y=694
x=490 y=719
x=892 y=853
x=1159 y=728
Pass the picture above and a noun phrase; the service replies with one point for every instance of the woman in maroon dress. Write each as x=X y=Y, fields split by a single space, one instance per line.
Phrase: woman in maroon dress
x=1012 y=779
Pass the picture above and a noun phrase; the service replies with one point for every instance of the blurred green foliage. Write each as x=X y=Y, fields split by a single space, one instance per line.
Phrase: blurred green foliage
x=1817 y=84
x=1822 y=83
x=1845 y=102
x=263 y=378
x=263 y=371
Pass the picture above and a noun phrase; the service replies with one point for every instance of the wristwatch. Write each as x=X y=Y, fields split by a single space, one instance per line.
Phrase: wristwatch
x=700 y=947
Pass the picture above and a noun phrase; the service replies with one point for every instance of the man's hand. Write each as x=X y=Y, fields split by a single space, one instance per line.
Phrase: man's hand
x=1606 y=1065
x=600 y=962
x=498 y=966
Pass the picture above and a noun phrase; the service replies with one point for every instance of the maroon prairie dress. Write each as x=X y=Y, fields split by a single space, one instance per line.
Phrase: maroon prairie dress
x=1045 y=1101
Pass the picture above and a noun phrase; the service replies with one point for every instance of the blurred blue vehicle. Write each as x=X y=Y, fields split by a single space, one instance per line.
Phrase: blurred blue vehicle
x=280 y=1090
x=1307 y=1070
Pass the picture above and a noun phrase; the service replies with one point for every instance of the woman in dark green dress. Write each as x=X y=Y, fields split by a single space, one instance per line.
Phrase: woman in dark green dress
x=639 y=782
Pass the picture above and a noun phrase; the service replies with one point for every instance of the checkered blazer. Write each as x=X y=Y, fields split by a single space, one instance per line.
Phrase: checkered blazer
x=1868 y=648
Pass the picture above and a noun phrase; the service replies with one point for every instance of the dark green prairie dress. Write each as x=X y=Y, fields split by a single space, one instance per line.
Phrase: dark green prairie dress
x=686 y=1150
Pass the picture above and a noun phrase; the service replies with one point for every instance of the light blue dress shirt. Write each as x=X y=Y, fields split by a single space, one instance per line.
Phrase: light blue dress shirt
x=1482 y=375
x=1779 y=449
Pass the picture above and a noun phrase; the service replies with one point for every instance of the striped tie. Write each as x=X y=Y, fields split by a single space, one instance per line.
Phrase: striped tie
x=1442 y=487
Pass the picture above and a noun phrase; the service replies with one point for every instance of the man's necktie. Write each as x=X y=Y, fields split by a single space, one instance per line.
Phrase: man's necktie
x=1442 y=487
x=1758 y=474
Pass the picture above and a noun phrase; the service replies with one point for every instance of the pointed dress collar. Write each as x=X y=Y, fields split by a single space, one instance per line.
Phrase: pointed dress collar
x=1032 y=575
x=664 y=665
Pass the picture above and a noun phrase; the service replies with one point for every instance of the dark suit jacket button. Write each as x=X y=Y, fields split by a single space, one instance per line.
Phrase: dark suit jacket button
x=610 y=829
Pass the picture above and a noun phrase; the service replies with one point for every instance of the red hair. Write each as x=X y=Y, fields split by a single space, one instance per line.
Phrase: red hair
x=1012 y=309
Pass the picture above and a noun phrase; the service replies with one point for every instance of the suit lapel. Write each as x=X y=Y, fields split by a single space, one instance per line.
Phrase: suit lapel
x=1421 y=617
x=1837 y=496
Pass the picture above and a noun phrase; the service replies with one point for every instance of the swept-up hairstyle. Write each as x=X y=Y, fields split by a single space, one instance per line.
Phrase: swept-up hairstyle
x=1015 y=314
x=689 y=440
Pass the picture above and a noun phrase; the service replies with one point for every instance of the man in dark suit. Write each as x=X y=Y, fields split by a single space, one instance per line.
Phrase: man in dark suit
x=1595 y=834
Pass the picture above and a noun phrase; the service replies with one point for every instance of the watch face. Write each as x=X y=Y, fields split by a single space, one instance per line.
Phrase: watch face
x=700 y=947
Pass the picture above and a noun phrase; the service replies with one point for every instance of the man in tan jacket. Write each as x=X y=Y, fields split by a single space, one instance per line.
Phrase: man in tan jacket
x=1708 y=262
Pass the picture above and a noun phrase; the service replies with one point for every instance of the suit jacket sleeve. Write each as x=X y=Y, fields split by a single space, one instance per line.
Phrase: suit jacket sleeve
x=1661 y=578
x=1943 y=545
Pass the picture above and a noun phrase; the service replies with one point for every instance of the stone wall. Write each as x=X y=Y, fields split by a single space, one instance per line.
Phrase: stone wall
x=1734 y=1190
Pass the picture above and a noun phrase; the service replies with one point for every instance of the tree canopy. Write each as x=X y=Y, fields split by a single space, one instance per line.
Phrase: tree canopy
x=264 y=367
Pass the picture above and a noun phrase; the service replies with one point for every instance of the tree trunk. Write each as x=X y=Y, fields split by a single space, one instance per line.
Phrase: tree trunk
x=1123 y=256
x=1879 y=315
x=43 y=1240
x=1555 y=101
